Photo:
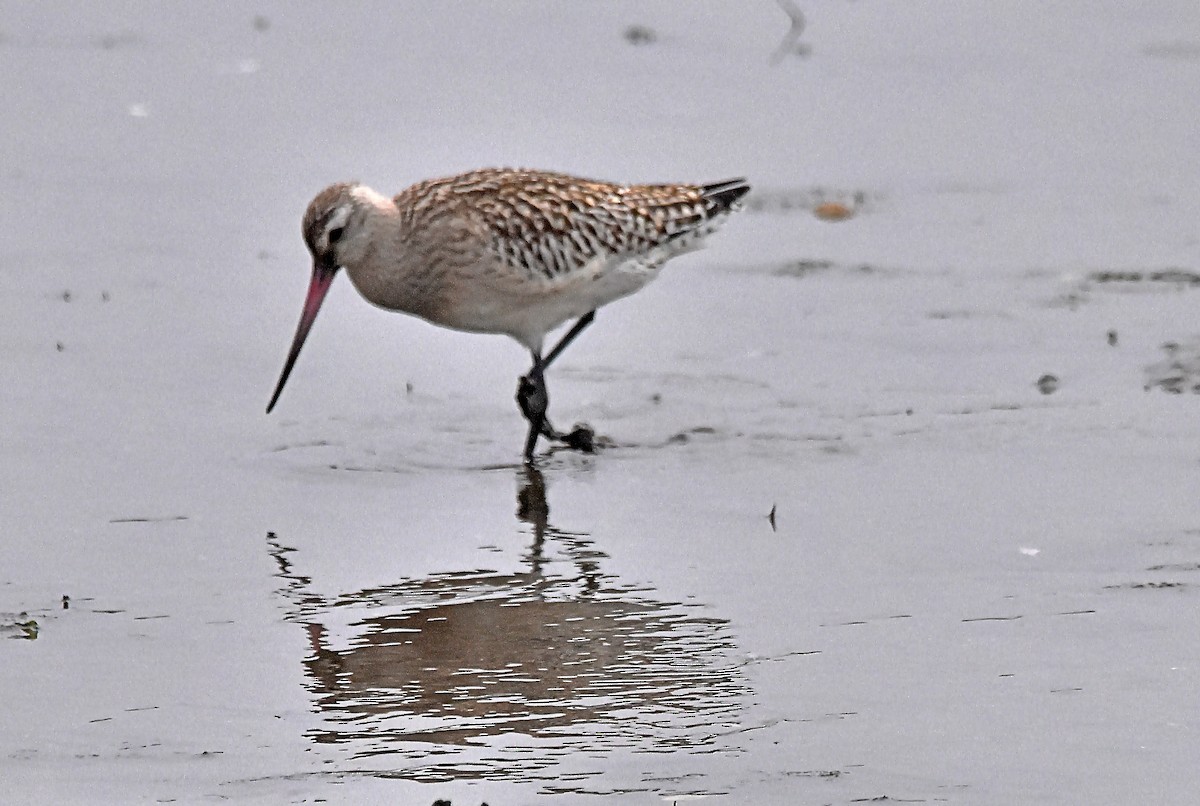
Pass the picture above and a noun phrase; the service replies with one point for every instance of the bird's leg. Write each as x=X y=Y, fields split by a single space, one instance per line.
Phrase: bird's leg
x=534 y=398
x=581 y=437
x=568 y=337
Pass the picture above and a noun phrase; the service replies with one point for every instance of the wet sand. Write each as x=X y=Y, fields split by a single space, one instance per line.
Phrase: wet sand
x=970 y=407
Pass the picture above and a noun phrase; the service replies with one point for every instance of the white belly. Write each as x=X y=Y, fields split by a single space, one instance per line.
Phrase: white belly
x=531 y=308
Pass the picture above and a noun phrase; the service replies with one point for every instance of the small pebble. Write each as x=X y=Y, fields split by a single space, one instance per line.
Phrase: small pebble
x=833 y=211
x=1047 y=384
x=640 y=35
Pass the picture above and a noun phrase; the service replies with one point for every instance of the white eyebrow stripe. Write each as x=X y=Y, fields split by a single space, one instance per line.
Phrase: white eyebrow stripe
x=338 y=219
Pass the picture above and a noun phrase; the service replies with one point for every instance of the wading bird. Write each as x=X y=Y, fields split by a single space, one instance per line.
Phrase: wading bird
x=505 y=251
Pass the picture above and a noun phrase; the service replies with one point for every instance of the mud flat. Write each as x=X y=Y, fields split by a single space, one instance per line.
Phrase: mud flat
x=898 y=498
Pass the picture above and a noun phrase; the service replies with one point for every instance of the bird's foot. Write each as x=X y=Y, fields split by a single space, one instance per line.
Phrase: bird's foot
x=533 y=399
x=580 y=438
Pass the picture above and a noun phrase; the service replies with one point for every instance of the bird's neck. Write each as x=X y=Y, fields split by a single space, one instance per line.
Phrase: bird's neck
x=384 y=268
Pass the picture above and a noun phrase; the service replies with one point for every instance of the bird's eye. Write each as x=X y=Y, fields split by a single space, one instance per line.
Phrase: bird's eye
x=335 y=234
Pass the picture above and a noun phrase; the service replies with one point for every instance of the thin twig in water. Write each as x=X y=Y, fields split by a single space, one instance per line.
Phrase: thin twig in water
x=792 y=37
x=148 y=519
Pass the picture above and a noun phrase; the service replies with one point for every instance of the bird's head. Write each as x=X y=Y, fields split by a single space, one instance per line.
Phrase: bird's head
x=335 y=231
x=334 y=224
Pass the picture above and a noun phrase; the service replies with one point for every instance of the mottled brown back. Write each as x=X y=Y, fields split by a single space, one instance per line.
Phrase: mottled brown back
x=548 y=224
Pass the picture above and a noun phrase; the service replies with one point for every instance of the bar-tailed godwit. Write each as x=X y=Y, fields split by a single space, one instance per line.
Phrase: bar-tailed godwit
x=505 y=251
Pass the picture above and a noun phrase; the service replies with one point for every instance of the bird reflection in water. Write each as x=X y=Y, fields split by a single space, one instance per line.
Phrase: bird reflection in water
x=499 y=675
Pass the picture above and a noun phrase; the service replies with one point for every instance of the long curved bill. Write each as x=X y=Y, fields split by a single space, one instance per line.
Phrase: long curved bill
x=322 y=278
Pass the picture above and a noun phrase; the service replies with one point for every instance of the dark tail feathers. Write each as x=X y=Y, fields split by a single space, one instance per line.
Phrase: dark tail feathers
x=723 y=195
